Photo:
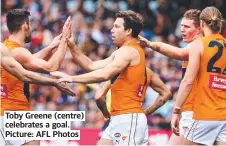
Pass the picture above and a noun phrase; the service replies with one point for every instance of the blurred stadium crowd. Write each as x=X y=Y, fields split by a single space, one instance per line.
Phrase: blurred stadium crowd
x=92 y=21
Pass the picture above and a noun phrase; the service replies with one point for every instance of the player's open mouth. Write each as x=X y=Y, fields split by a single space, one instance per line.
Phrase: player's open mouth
x=183 y=36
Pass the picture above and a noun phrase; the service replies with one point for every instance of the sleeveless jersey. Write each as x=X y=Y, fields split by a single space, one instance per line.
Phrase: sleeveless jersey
x=14 y=93
x=210 y=101
x=127 y=87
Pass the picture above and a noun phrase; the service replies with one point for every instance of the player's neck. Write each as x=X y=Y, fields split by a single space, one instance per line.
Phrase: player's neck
x=208 y=32
x=128 y=40
x=198 y=36
x=17 y=37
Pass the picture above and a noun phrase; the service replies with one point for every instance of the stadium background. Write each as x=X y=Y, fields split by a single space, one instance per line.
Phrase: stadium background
x=92 y=21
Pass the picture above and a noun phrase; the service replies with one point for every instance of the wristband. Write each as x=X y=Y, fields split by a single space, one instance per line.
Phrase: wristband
x=176 y=110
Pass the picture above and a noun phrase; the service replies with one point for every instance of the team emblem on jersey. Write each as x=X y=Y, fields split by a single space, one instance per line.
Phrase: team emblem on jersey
x=4 y=91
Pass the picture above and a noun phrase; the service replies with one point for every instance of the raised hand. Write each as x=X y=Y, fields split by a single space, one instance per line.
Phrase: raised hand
x=66 y=32
x=56 y=41
x=70 y=41
x=64 y=88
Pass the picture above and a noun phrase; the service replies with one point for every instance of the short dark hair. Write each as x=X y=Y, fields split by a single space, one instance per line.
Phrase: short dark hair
x=16 y=18
x=132 y=21
x=193 y=14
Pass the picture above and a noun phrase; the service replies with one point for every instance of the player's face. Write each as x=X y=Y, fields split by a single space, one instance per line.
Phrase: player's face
x=118 y=32
x=188 y=30
x=28 y=32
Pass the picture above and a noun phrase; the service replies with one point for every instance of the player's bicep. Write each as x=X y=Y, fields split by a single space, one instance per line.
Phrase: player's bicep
x=185 y=53
x=29 y=61
x=102 y=63
x=12 y=66
x=120 y=62
x=38 y=65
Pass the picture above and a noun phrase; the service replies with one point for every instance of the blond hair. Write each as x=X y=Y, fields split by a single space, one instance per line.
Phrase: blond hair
x=193 y=14
x=213 y=18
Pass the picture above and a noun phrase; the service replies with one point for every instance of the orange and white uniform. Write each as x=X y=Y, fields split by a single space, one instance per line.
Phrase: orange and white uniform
x=128 y=123
x=14 y=93
x=212 y=80
x=210 y=100
x=126 y=87
x=14 y=96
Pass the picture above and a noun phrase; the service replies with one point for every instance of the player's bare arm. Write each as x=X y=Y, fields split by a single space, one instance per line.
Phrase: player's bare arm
x=16 y=69
x=85 y=62
x=99 y=97
x=34 y=63
x=120 y=62
x=47 y=50
x=164 y=93
x=166 y=49
x=187 y=82
x=191 y=73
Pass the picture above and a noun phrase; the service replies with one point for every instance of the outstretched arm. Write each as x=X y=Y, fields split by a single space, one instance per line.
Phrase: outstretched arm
x=47 y=50
x=33 y=63
x=166 y=49
x=85 y=62
x=120 y=62
x=14 y=68
x=99 y=97
x=164 y=93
